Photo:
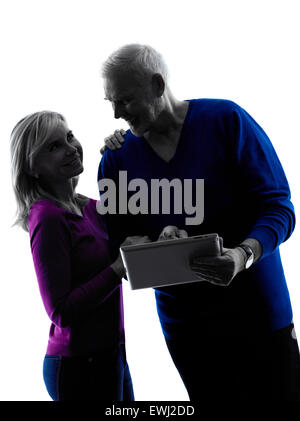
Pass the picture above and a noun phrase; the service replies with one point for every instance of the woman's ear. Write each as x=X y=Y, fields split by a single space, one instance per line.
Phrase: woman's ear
x=32 y=173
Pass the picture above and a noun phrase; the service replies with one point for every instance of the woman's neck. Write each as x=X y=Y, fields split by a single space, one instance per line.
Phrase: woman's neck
x=63 y=193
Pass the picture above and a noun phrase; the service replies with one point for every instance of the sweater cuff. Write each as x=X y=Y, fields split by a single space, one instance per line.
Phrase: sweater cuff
x=266 y=237
x=111 y=275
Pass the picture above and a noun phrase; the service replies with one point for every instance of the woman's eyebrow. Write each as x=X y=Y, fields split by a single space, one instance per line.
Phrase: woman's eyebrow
x=51 y=140
x=57 y=137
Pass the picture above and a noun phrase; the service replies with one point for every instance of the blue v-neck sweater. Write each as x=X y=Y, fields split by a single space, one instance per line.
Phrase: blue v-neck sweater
x=246 y=195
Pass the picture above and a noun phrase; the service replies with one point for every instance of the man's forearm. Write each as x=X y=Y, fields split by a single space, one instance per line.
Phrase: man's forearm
x=255 y=247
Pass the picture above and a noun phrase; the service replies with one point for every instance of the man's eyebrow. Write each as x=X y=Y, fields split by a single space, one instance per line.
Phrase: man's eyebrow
x=108 y=98
x=122 y=97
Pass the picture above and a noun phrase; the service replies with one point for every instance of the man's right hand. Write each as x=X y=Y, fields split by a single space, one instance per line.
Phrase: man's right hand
x=114 y=141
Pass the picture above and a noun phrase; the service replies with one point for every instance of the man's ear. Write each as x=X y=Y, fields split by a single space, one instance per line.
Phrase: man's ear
x=158 y=84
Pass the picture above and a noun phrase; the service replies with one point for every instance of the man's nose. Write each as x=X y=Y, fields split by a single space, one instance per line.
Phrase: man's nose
x=118 y=110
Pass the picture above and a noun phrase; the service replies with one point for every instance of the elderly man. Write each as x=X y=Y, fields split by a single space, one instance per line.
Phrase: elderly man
x=231 y=337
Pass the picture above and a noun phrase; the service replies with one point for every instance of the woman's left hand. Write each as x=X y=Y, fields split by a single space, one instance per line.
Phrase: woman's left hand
x=219 y=270
x=114 y=141
x=171 y=232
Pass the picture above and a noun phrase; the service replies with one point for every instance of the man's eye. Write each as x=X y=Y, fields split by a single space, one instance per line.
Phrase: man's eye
x=123 y=102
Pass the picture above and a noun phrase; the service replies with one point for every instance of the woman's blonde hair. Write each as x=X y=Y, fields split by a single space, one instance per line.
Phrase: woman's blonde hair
x=27 y=138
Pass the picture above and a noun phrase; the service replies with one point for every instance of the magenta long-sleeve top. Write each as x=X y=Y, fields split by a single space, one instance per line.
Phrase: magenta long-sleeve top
x=82 y=295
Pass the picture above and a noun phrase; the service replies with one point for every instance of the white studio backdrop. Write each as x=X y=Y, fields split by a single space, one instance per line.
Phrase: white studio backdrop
x=51 y=53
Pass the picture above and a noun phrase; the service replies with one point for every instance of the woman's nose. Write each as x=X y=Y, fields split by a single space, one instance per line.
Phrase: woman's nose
x=71 y=149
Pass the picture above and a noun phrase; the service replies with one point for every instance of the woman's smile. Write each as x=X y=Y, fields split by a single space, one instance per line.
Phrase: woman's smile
x=74 y=161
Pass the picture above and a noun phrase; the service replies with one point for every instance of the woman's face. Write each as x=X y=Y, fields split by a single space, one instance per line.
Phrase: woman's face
x=60 y=158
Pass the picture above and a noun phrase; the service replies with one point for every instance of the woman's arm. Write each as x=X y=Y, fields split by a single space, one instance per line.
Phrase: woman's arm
x=51 y=252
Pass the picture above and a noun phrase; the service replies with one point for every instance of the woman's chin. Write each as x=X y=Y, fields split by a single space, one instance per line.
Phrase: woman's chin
x=77 y=171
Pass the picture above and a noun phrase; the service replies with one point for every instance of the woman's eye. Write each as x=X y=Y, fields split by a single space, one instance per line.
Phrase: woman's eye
x=53 y=146
x=70 y=137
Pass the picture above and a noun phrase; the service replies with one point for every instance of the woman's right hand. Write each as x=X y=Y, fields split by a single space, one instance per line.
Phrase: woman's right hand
x=118 y=265
x=171 y=232
x=136 y=239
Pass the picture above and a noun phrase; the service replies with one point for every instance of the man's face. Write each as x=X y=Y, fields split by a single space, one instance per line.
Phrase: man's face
x=133 y=101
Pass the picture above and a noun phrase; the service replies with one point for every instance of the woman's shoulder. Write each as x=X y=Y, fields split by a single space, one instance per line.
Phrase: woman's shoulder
x=83 y=198
x=44 y=207
x=45 y=211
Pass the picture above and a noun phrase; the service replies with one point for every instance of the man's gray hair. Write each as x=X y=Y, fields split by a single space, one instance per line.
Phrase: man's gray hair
x=143 y=60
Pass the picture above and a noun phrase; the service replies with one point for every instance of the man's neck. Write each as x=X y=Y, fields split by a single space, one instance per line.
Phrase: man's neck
x=169 y=122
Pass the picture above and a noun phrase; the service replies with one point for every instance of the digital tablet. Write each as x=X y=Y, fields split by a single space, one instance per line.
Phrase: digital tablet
x=167 y=262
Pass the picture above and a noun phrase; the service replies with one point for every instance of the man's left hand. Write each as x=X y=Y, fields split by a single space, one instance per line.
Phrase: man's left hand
x=219 y=270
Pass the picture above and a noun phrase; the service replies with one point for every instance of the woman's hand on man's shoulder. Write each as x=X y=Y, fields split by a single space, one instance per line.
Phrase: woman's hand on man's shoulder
x=114 y=141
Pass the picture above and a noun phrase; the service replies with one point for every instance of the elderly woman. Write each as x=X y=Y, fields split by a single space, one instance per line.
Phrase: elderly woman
x=78 y=270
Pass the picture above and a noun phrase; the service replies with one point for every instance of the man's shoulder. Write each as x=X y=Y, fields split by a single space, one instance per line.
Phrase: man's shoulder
x=214 y=106
x=126 y=153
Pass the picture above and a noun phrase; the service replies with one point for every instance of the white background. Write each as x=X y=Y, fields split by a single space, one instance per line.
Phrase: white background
x=51 y=53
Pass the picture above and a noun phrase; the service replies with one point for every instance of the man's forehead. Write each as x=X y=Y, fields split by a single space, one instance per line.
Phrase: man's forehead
x=119 y=85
